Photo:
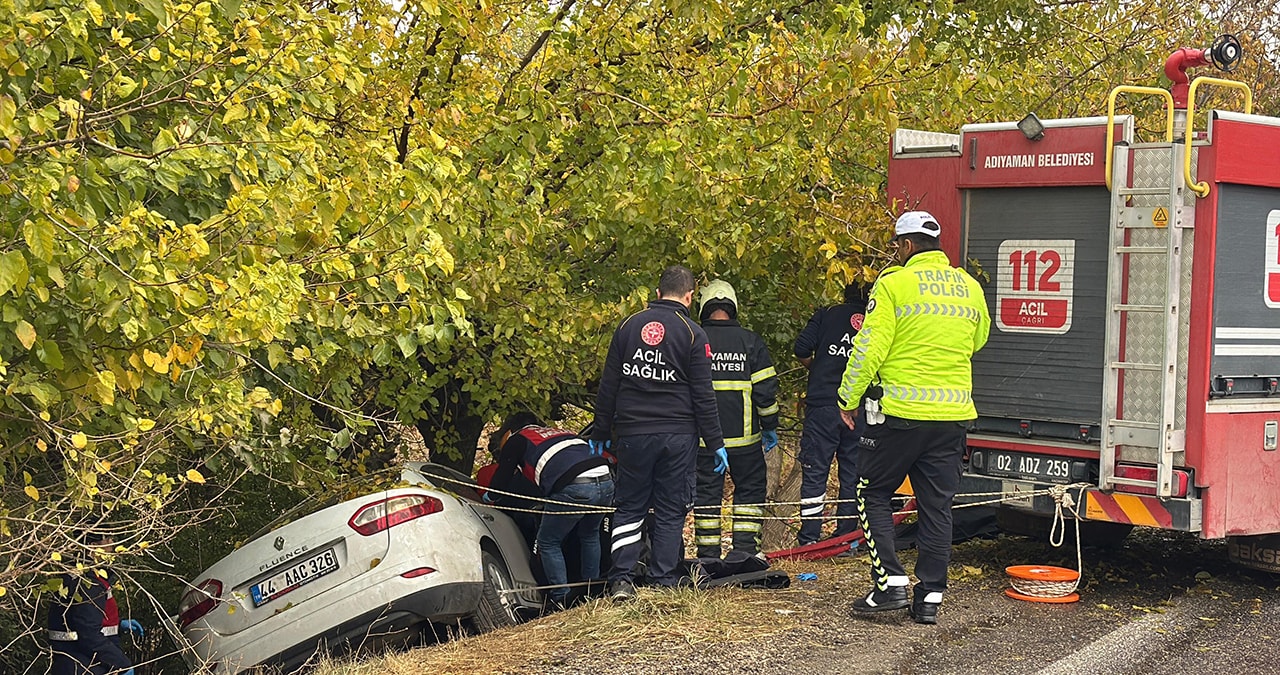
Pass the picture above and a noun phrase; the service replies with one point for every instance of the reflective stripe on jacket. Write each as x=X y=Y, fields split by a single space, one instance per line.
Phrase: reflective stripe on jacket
x=924 y=322
x=745 y=381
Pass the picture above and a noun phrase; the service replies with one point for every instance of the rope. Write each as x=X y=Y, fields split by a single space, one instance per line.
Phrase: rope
x=1064 y=503
x=579 y=509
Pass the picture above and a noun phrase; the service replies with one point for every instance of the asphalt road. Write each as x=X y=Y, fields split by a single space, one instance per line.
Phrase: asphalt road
x=1160 y=603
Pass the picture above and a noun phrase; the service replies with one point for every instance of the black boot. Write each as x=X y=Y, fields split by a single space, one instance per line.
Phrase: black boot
x=924 y=612
x=895 y=597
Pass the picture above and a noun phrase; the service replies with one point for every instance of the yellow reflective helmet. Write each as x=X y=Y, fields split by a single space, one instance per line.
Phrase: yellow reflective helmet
x=717 y=295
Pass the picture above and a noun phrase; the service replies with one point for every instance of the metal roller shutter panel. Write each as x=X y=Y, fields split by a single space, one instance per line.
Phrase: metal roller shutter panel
x=1038 y=376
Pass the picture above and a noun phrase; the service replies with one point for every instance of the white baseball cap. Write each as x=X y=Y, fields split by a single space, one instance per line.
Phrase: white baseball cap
x=913 y=222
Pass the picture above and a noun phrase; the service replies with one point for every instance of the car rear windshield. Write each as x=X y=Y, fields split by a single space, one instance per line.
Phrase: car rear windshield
x=348 y=488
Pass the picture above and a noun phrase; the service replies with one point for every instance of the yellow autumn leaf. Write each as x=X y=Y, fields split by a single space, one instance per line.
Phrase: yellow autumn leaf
x=79 y=440
x=32 y=492
x=55 y=556
x=145 y=424
x=195 y=476
x=3 y=590
x=26 y=333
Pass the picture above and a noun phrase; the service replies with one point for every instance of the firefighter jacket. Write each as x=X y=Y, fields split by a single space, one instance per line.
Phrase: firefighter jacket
x=924 y=322
x=549 y=458
x=657 y=378
x=745 y=381
x=84 y=626
x=828 y=339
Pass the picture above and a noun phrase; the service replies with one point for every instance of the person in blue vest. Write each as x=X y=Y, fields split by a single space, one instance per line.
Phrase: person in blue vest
x=84 y=619
x=565 y=470
x=823 y=347
x=656 y=394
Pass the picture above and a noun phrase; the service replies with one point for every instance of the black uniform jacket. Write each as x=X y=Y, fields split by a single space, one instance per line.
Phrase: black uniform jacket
x=657 y=378
x=550 y=458
x=80 y=614
x=746 y=383
x=828 y=339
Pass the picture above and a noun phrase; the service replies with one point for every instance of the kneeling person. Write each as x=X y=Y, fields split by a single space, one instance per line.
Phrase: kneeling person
x=563 y=467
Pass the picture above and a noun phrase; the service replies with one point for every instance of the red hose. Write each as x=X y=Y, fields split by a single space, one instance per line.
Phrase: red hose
x=829 y=548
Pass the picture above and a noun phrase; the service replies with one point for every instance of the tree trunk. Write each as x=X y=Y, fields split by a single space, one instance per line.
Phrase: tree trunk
x=454 y=447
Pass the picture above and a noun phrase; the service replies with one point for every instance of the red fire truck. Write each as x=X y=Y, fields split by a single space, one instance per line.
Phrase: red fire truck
x=1134 y=290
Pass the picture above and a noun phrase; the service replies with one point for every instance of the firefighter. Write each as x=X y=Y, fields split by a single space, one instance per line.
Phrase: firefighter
x=823 y=347
x=565 y=470
x=747 y=397
x=84 y=619
x=924 y=322
x=656 y=394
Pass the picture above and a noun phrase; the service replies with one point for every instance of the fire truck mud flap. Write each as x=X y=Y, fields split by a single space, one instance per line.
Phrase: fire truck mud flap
x=1259 y=552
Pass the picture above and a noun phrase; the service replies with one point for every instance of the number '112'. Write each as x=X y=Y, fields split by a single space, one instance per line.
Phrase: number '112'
x=1027 y=259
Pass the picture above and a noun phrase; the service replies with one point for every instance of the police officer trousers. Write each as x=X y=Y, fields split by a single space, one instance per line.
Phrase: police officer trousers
x=931 y=454
x=654 y=471
x=750 y=483
x=824 y=437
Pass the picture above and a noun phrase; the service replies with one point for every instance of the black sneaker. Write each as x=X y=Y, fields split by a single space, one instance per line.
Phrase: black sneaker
x=622 y=591
x=924 y=612
x=882 y=601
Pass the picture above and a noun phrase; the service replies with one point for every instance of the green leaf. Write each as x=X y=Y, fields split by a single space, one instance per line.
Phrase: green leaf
x=408 y=344
x=234 y=113
x=39 y=237
x=13 y=272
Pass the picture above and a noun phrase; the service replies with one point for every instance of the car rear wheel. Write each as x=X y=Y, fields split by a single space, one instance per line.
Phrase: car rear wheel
x=497 y=609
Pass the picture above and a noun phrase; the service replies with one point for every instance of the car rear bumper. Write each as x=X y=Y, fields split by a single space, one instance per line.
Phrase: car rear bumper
x=437 y=603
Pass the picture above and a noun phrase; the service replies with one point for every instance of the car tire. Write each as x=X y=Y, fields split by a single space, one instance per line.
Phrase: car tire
x=495 y=610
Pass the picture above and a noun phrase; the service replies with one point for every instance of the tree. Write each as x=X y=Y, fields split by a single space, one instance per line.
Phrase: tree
x=261 y=236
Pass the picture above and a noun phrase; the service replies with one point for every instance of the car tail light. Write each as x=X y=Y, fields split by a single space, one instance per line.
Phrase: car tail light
x=389 y=512
x=419 y=572
x=199 y=601
x=1181 y=479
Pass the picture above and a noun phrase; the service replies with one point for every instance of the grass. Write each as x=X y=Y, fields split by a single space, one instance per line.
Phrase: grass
x=656 y=618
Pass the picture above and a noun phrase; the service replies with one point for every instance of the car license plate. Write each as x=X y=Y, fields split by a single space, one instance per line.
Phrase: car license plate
x=296 y=575
x=1028 y=467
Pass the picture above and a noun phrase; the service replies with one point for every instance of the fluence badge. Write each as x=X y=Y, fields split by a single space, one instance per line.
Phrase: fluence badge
x=652 y=333
x=856 y=321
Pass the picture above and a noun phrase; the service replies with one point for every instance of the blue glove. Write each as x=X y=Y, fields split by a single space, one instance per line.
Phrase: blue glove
x=722 y=460
x=598 y=447
x=770 y=437
x=132 y=626
x=128 y=672
x=488 y=498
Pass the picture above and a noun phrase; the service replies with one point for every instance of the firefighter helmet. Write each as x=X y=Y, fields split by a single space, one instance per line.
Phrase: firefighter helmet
x=717 y=295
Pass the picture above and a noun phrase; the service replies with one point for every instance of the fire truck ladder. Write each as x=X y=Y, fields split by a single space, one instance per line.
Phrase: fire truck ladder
x=1160 y=230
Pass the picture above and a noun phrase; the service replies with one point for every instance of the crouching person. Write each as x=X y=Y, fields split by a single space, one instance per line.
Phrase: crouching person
x=84 y=619
x=565 y=470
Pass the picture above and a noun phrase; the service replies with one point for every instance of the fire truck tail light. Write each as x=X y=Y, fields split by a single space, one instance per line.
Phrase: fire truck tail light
x=1181 y=479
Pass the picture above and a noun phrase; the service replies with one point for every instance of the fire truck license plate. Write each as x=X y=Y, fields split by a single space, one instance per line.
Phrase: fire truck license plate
x=1029 y=467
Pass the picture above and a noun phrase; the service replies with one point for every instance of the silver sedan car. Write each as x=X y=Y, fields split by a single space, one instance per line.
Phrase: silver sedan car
x=377 y=560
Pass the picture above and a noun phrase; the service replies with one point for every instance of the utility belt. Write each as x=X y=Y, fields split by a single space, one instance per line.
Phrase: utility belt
x=74 y=636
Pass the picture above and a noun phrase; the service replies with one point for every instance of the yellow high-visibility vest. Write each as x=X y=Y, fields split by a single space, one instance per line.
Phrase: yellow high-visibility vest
x=923 y=323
